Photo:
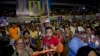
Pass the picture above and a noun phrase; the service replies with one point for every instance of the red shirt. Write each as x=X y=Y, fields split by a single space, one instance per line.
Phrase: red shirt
x=53 y=41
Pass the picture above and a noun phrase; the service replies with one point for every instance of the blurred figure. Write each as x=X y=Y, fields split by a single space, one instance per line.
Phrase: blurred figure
x=73 y=27
x=35 y=32
x=68 y=34
x=59 y=18
x=59 y=35
x=50 y=42
x=77 y=41
x=89 y=31
x=86 y=51
x=27 y=40
x=22 y=50
x=91 y=39
x=44 y=24
x=13 y=32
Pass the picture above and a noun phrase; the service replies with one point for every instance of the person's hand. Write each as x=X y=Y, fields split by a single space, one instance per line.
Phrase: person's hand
x=35 y=53
x=27 y=47
x=93 y=40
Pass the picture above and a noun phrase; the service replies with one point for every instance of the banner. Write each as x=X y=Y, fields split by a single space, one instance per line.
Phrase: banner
x=34 y=8
x=22 y=8
x=28 y=8
x=46 y=6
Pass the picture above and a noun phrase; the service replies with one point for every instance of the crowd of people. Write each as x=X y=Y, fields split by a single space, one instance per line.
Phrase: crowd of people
x=51 y=38
x=72 y=10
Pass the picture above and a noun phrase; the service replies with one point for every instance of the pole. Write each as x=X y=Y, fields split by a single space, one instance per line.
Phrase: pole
x=48 y=11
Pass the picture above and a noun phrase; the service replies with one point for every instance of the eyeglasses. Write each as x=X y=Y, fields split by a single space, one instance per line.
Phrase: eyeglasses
x=81 y=32
x=19 y=43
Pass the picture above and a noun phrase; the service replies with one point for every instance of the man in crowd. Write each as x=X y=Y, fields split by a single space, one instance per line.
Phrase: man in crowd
x=91 y=39
x=77 y=41
x=13 y=32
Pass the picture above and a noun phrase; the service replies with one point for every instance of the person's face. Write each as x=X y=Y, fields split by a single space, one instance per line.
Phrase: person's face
x=58 y=32
x=49 y=32
x=82 y=35
x=27 y=35
x=88 y=31
x=66 y=30
x=46 y=24
x=38 y=29
x=19 y=44
x=13 y=26
x=92 y=53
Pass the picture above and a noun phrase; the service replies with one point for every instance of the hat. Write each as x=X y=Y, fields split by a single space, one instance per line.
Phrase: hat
x=47 y=21
x=80 y=29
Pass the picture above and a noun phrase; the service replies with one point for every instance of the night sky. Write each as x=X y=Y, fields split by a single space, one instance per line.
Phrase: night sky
x=71 y=1
x=13 y=6
x=78 y=1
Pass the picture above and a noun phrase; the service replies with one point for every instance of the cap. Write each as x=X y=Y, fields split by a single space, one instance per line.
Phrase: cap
x=47 y=20
x=80 y=30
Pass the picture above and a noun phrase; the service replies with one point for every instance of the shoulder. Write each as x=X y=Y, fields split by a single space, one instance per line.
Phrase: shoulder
x=74 y=40
x=14 y=54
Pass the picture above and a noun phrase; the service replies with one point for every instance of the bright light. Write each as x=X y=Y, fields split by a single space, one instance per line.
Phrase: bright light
x=83 y=8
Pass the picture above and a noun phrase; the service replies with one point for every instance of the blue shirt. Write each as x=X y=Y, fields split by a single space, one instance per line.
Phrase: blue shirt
x=74 y=45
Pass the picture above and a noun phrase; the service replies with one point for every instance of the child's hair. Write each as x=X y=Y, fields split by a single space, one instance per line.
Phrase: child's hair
x=49 y=28
x=59 y=30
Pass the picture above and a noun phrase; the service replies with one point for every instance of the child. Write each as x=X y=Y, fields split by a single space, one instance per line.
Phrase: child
x=50 y=42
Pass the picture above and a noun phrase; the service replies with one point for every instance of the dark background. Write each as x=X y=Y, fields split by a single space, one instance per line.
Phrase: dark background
x=9 y=6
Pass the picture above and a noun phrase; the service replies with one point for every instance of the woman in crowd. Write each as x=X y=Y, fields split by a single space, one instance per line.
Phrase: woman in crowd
x=59 y=35
x=35 y=32
x=22 y=50
x=68 y=34
x=86 y=51
x=28 y=40
x=91 y=39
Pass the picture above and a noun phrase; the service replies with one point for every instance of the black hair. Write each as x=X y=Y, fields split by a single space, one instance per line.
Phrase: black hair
x=58 y=29
x=91 y=28
x=84 y=51
x=97 y=33
x=26 y=32
x=48 y=28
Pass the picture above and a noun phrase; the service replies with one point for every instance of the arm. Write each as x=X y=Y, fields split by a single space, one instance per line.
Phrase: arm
x=29 y=51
